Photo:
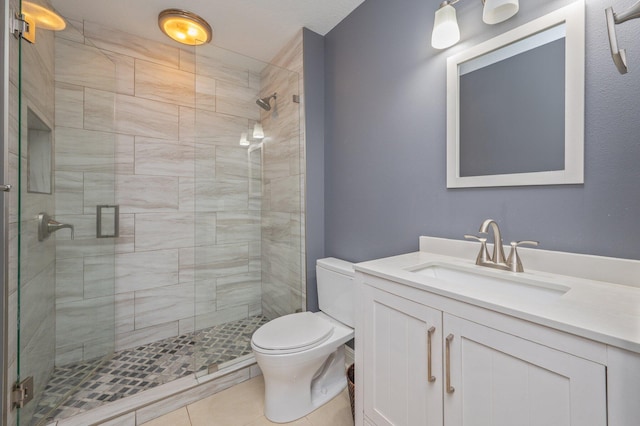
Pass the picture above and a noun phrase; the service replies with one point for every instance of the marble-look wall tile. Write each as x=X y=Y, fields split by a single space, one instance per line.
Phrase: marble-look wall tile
x=125 y=154
x=99 y=110
x=67 y=248
x=158 y=157
x=69 y=190
x=220 y=317
x=220 y=260
x=237 y=100
x=69 y=105
x=221 y=194
x=188 y=59
x=146 y=335
x=187 y=195
x=124 y=72
x=69 y=280
x=38 y=299
x=219 y=129
x=73 y=31
x=164 y=84
x=205 y=297
x=84 y=321
x=131 y=45
x=205 y=93
x=157 y=231
x=83 y=65
x=238 y=290
x=285 y=194
x=144 y=117
x=145 y=270
x=231 y=161
x=80 y=150
x=139 y=194
x=99 y=276
x=187 y=130
x=205 y=164
x=186 y=264
x=99 y=189
x=163 y=304
x=237 y=226
x=68 y=354
x=125 y=312
x=221 y=69
x=186 y=325
x=125 y=243
x=206 y=229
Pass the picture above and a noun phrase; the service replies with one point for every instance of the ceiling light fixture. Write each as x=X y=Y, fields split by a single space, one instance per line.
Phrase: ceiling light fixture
x=37 y=16
x=185 y=27
x=446 y=32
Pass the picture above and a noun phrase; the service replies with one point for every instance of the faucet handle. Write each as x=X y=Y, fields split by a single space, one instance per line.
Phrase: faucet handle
x=483 y=254
x=513 y=261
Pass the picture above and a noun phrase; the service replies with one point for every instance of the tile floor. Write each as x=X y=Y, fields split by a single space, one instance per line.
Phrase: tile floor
x=79 y=387
x=242 y=405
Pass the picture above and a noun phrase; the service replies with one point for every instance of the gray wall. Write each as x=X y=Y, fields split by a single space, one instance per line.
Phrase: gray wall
x=313 y=48
x=385 y=140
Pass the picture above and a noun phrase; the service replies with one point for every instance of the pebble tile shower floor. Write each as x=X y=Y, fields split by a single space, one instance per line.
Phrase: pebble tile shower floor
x=144 y=367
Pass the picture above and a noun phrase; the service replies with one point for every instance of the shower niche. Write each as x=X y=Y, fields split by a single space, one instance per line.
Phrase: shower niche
x=39 y=154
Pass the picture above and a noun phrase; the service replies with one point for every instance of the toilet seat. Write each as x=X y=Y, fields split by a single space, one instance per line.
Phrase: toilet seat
x=292 y=333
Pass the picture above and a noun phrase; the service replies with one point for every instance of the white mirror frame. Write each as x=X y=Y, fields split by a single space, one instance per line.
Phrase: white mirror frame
x=573 y=16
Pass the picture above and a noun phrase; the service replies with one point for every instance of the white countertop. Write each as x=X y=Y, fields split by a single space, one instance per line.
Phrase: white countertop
x=601 y=311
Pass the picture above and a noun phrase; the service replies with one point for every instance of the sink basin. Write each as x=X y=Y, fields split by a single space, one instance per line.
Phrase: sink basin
x=496 y=282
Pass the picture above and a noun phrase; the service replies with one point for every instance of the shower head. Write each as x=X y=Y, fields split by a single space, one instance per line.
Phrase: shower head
x=264 y=102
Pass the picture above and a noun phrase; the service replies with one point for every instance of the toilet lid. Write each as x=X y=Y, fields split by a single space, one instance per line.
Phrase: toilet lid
x=295 y=331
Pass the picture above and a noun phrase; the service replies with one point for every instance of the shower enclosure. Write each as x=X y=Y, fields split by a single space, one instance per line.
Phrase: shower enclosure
x=180 y=241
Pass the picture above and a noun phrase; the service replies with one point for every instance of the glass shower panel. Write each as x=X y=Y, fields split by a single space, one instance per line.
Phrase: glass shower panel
x=66 y=273
x=248 y=235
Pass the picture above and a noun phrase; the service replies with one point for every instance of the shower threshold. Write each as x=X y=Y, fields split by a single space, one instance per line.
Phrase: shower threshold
x=135 y=370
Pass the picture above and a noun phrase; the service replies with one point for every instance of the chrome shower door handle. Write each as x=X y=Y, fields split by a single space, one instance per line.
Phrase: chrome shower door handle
x=5 y=188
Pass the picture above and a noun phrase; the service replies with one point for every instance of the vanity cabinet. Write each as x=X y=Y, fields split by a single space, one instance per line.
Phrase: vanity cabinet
x=422 y=363
x=400 y=386
x=501 y=379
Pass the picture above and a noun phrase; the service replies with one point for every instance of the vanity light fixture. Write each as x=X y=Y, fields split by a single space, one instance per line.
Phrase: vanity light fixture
x=258 y=131
x=185 y=27
x=446 y=32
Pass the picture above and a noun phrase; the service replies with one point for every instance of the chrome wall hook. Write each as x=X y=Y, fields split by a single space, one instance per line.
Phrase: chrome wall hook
x=619 y=55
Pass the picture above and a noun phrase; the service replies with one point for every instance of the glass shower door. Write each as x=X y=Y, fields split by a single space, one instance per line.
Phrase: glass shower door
x=67 y=220
x=248 y=203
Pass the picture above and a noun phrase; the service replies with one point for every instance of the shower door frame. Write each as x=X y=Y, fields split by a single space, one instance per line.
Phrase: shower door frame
x=4 y=216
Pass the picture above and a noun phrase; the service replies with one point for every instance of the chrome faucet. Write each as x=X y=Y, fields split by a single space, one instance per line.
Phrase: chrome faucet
x=497 y=260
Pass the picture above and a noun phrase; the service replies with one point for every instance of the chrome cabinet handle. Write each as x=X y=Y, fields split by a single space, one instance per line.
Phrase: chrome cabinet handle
x=5 y=188
x=450 y=389
x=430 y=376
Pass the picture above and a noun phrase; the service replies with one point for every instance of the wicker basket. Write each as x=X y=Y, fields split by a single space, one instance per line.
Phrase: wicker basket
x=352 y=389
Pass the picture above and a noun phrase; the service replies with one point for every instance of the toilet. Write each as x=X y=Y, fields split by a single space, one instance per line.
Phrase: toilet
x=302 y=355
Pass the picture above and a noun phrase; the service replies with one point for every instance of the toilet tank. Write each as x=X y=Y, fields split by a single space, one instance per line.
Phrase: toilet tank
x=336 y=290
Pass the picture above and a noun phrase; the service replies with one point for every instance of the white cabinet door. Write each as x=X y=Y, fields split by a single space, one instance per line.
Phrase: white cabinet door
x=502 y=380
x=397 y=389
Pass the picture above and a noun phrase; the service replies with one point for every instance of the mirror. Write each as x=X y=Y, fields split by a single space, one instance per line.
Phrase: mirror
x=515 y=106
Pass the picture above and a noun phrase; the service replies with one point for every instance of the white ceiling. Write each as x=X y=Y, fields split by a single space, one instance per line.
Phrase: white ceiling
x=256 y=28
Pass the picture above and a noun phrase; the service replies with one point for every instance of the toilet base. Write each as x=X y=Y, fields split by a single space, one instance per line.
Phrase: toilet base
x=290 y=396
